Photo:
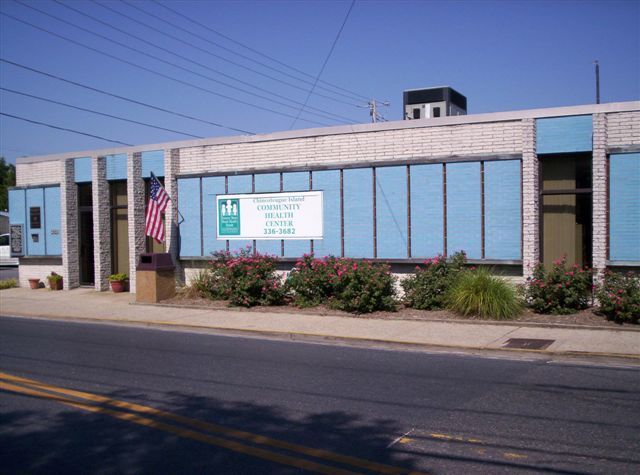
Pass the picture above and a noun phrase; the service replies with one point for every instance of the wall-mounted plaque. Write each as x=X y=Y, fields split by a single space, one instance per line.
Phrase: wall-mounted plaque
x=16 y=243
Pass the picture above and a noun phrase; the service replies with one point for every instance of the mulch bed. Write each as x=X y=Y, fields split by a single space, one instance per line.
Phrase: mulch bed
x=585 y=318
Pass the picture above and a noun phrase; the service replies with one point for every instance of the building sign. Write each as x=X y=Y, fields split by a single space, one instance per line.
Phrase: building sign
x=270 y=216
x=15 y=240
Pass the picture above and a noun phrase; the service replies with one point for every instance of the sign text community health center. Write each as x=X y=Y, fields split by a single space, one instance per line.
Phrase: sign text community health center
x=295 y=215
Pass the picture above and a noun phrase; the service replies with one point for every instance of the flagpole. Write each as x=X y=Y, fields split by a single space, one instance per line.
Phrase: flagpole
x=170 y=199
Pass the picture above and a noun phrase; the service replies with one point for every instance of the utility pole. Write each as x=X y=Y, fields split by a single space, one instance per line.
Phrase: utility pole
x=373 y=110
x=597 y=81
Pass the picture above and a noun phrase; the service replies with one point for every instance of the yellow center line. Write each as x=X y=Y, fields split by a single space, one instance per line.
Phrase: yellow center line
x=211 y=427
x=186 y=433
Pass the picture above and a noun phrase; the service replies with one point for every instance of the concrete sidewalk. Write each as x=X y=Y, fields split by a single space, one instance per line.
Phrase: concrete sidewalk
x=88 y=305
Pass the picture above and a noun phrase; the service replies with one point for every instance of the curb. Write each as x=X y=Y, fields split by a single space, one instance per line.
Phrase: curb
x=301 y=336
x=566 y=326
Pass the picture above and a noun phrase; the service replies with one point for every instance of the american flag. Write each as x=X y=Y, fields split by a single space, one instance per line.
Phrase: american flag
x=158 y=201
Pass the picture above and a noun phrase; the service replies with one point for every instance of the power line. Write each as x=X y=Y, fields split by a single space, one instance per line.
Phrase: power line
x=326 y=60
x=206 y=27
x=13 y=91
x=123 y=98
x=323 y=113
x=157 y=58
x=206 y=51
x=166 y=76
x=65 y=129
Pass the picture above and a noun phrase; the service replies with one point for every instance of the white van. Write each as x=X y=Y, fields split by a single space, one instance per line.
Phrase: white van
x=5 y=252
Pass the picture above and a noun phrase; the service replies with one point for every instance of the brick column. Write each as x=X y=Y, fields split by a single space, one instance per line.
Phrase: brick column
x=171 y=167
x=69 y=231
x=530 y=199
x=101 y=224
x=600 y=195
x=135 y=209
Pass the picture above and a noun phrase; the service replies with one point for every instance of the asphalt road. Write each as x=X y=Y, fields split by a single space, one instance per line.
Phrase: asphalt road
x=240 y=405
x=8 y=272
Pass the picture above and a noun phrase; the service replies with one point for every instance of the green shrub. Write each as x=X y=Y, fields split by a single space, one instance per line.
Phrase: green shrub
x=559 y=290
x=481 y=294
x=344 y=284
x=428 y=287
x=619 y=297
x=118 y=277
x=244 y=278
x=54 y=278
x=8 y=284
x=363 y=287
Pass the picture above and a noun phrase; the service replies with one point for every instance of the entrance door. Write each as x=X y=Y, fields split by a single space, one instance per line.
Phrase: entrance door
x=566 y=208
x=85 y=234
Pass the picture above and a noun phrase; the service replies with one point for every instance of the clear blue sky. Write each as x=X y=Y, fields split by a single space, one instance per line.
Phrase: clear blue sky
x=502 y=55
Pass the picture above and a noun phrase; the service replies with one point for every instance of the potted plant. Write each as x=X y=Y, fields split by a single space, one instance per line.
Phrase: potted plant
x=55 y=281
x=118 y=282
x=34 y=283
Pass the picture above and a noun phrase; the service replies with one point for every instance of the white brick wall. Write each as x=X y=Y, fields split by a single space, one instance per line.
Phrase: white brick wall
x=600 y=193
x=623 y=128
x=40 y=271
x=40 y=173
x=466 y=139
x=530 y=199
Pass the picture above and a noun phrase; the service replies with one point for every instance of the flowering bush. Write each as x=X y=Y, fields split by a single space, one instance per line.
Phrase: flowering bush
x=313 y=280
x=560 y=290
x=619 y=297
x=363 y=287
x=243 y=278
x=345 y=284
x=427 y=288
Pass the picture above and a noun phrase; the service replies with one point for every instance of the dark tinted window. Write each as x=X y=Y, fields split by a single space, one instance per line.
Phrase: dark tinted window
x=416 y=113
x=436 y=112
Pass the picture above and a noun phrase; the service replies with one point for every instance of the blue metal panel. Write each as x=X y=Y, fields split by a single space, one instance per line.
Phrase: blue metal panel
x=35 y=238
x=117 y=166
x=358 y=212
x=211 y=186
x=296 y=181
x=17 y=206
x=564 y=134
x=391 y=211
x=502 y=210
x=189 y=206
x=240 y=184
x=53 y=222
x=153 y=162
x=464 y=209
x=624 y=196
x=265 y=183
x=328 y=181
x=427 y=211
x=82 y=169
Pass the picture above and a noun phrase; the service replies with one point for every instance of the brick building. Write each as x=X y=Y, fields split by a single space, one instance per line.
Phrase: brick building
x=508 y=188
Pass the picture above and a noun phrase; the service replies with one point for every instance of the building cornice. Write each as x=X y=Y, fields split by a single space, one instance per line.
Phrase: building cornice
x=508 y=116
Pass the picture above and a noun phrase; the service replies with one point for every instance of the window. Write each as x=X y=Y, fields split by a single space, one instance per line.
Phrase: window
x=416 y=113
x=34 y=217
x=436 y=112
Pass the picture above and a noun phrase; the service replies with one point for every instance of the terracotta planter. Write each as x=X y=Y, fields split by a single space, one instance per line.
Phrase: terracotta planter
x=118 y=286
x=34 y=283
x=55 y=285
